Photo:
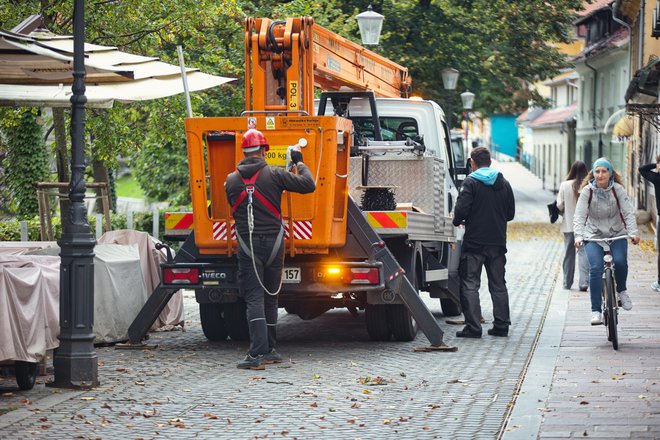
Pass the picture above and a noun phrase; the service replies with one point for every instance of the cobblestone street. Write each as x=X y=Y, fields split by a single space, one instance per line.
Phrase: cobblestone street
x=335 y=383
x=188 y=387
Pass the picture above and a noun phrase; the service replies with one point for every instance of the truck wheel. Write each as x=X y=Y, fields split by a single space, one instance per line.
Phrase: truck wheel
x=402 y=323
x=236 y=321
x=377 y=325
x=213 y=325
x=449 y=307
x=26 y=374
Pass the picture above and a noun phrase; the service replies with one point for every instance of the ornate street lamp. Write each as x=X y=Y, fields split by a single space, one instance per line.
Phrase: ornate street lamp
x=467 y=98
x=449 y=81
x=75 y=361
x=370 y=24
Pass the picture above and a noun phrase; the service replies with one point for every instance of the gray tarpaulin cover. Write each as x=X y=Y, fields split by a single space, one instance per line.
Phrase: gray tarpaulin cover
x=29 y=306
x=150 y=259
x=29 y=293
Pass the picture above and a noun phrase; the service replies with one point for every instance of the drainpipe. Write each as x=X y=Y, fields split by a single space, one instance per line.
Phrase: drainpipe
x=593 y=106
x=615 y=5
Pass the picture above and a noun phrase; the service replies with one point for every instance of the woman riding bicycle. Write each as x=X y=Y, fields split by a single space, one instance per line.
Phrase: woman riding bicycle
x=604 y=210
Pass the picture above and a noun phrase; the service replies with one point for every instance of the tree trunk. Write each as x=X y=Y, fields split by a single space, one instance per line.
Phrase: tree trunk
x=62 y=159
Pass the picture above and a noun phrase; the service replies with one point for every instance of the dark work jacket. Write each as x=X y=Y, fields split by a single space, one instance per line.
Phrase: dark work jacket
x=271 y=182
x=647 y=172
x=485 y=210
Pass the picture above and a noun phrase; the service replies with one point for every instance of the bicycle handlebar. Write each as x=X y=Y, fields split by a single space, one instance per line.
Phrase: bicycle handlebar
x=608 y=240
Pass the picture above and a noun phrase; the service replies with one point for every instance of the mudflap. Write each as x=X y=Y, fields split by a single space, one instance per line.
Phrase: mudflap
x=395 y=278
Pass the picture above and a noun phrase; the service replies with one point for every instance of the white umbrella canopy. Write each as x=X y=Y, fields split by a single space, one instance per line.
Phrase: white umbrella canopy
x=36 y=70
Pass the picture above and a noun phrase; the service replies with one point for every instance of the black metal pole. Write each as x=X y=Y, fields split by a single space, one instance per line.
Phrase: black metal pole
x=75 y=361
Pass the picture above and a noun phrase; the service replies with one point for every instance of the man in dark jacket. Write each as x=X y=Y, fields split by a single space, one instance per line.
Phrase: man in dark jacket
x=255 y=192
x=485 y=205
x=651 y=172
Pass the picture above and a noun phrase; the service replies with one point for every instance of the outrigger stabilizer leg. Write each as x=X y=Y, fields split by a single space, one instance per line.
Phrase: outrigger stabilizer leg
x=395 y=277
x=159 y=298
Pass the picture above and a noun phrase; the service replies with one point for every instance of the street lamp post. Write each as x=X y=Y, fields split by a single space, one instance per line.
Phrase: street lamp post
x=75 y=361
x=449 y=80
x=370 y=24
x=467 y=98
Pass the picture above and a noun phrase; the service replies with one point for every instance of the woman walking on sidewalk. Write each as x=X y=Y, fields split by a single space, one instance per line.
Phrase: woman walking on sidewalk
x=604 y=210
x=651 y=172
x=567 y=197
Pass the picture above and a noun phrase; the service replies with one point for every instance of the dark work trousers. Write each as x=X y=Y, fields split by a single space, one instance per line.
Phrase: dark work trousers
x=569 y=262
x=261 y=306
x=470 y=271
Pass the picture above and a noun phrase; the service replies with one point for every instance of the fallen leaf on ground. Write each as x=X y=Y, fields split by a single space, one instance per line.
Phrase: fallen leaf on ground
x=88 y=398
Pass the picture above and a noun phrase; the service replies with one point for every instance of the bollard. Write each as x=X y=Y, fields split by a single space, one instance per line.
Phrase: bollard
x=155 y=228
x=24 y=231
x=129 y=219
x=99 y=225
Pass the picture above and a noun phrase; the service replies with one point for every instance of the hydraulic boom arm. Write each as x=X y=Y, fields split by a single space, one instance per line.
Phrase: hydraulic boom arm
x=286 y=59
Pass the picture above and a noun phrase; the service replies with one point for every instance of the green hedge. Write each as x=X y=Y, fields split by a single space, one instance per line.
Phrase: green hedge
x=10 y=230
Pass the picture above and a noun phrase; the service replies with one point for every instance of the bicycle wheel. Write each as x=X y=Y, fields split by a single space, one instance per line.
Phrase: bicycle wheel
x=610 y=314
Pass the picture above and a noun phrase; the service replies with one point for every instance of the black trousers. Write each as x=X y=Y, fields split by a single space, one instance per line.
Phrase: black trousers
x=261 y=306
x=470 y=266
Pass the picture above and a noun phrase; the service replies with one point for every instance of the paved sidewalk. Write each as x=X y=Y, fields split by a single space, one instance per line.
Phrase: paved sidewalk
x=576 y=385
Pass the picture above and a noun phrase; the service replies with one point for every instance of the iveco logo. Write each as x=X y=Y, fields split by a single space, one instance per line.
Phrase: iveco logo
x=214 y=275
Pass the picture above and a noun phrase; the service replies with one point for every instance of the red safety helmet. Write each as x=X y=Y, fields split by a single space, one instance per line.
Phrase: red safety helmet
x=252 y=140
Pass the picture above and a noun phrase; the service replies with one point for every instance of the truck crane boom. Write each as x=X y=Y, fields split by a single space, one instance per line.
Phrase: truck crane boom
x=285 y=60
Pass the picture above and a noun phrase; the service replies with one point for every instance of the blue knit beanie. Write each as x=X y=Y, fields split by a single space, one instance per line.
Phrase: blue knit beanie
x=602 y=162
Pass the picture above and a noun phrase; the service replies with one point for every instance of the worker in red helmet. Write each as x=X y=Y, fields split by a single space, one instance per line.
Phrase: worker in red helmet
x=254 y=191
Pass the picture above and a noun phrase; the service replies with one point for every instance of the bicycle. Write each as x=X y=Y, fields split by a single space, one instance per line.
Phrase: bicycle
x=610 y=303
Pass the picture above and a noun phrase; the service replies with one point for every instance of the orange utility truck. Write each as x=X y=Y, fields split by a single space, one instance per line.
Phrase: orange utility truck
x=376 y=231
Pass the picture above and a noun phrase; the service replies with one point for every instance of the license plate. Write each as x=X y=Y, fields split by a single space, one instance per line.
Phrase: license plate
x=291 y=275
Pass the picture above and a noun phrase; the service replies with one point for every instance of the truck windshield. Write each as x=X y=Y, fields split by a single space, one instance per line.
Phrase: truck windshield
x=391 y=129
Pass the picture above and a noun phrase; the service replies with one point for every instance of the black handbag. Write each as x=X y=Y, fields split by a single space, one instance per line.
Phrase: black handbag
x=553 y=211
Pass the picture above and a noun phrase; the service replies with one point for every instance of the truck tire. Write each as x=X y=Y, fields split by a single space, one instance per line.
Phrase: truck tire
x=236 y=321
x=449 y=307
x=213 y=325
x=404 y=327
x=377 y=322
x=26 y=374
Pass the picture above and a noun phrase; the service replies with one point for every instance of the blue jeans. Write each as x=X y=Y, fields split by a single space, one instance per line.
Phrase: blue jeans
x=595 y=254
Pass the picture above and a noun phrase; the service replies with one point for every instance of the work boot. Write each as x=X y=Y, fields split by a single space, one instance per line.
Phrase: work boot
x=272 y=357
x=252 y=363
x=498 y=331
x=467 y=333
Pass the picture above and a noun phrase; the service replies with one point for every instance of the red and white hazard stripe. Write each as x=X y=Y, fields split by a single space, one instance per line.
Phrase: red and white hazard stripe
x=396 y=274
x=220 y=231
x=302 y=230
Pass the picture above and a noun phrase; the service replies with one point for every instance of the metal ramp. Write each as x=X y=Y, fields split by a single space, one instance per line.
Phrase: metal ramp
x=395 y=277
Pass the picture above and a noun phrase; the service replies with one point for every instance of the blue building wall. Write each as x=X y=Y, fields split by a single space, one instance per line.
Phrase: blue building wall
x=504 y=134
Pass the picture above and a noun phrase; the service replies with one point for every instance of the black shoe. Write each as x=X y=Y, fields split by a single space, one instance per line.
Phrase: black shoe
x=583 y=288
x=465 y=333
x=252 y=363
x=272 y=357
x=498 y=331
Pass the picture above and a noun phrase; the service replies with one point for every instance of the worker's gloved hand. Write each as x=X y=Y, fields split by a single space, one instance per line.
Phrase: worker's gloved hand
x=296 y=156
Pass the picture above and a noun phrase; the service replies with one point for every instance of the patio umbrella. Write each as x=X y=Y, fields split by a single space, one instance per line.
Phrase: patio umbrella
x=36 y=70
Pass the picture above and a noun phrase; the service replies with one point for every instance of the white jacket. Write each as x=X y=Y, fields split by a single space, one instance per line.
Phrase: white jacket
x=566 y=201
x=601 y=218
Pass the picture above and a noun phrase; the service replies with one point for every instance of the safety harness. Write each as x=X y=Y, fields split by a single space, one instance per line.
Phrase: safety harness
x=247 y=193
x=251 y=190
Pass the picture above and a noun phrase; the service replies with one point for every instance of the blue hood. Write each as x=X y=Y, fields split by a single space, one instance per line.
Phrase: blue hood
x=486 y=175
